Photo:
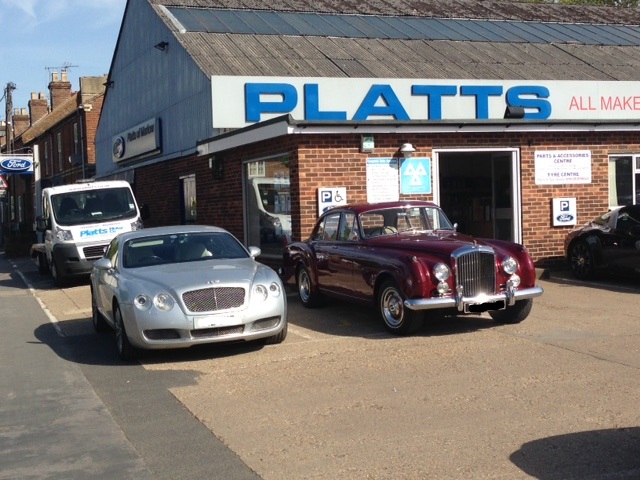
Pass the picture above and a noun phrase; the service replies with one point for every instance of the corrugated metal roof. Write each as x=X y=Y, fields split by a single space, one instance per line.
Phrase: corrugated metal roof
x=254 y=22
x=334 y=56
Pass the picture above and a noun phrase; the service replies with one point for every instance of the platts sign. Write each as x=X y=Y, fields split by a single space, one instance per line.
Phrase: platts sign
x=363 y=99
x=16 y=164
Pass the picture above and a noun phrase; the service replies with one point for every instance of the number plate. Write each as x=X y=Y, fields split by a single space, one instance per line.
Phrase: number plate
x=213 y=321
x=484 y=307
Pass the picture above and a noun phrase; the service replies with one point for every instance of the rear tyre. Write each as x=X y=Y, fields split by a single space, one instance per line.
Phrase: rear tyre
x=126 y=351
x=581 y=261
x=515 y=314
x=41 y=261
x=397 y=319
x=308 y=297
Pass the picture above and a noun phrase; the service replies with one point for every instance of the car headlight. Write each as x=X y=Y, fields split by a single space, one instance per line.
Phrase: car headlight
x=274 y=290
x=263 y=292
x=142 y=302
x=441 y=272
x=163 y=302
x=510 y=265
x=63 y=235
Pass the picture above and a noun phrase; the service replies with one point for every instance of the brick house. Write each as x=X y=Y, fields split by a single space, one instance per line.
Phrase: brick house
x=61 y=135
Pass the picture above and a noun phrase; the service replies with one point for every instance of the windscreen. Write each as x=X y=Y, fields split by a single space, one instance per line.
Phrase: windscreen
x=93 y=206
x=183 y=247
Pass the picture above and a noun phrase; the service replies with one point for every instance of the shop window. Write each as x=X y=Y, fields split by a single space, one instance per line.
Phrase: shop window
x=624 y=180
x=268 y=205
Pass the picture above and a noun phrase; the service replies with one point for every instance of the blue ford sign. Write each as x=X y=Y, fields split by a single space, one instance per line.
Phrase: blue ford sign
x=16 y=164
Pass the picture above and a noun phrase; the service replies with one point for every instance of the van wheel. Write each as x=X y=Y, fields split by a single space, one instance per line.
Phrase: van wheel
x=58 y=278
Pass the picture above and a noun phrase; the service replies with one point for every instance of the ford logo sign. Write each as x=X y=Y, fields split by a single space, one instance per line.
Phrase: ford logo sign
x=16 y=165
x=565 y=217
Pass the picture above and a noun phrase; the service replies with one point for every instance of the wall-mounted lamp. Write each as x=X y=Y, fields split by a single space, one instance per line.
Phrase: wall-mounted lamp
x=407 y=150
x=162 y=46
x=514 y=112
x=108 y=84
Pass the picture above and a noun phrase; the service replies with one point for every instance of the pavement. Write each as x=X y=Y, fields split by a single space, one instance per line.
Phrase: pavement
x=52 y=423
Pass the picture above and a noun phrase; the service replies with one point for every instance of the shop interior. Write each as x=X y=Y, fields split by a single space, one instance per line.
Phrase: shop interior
x=477 y=192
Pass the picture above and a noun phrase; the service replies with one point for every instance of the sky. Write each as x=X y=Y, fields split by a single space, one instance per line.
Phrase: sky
x=38 y=37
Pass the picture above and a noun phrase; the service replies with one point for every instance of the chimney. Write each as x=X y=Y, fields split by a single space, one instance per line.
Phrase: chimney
x=38 y=106
x=60 y=89
x=20 y=121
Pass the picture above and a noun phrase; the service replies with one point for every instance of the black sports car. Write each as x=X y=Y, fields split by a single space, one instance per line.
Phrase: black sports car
x=609 y=243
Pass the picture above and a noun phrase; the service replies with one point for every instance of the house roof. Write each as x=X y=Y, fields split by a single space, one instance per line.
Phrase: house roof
x=610 y=52
x=66 y=108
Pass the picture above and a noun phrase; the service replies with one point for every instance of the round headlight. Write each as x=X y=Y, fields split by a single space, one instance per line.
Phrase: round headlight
x=510 y=265
x=142 y=302
x=261 y=292
x=274 y=289
x=441 y=272
x=163 y=302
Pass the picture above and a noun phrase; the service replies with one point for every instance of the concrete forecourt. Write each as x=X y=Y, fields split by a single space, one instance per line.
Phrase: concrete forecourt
x=552 y=397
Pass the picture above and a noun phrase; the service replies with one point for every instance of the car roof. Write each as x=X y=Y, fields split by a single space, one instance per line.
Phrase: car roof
x=169 y=230
x=359 y=208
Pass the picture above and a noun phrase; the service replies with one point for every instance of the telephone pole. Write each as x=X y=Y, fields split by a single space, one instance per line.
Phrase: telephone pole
x=9 y=115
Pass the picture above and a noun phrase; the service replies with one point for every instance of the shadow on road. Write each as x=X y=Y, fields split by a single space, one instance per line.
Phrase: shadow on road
x=613 y=453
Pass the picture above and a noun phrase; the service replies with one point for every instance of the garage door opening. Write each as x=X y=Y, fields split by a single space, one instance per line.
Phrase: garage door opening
x=479 y=190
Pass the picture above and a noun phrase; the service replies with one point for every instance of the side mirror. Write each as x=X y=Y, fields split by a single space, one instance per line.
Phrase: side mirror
x=41 y=223
x=254 y=252
x=103 y=264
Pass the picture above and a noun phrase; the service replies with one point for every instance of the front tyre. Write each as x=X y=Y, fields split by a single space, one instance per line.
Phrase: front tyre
x=581 y=261
x=397 y=319
x=515 y=314
x=99 y=323
x=126 y=351
x=308 y=297
x=279 y=338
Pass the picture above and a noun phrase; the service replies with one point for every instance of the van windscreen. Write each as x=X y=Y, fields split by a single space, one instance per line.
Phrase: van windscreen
x=91 y=206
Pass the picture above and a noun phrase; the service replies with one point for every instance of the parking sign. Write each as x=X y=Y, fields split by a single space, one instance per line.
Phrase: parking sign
x=331 y=197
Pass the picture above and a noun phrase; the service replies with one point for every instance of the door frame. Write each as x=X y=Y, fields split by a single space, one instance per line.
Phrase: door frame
x=515 y=181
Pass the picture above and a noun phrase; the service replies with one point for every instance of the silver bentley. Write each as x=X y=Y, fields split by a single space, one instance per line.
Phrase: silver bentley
x=180 y=286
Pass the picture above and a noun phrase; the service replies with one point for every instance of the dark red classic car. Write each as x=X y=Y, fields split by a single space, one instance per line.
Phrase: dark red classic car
x=406 y=258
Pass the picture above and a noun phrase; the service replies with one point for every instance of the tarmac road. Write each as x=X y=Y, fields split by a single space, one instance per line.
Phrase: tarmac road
x=555 y=397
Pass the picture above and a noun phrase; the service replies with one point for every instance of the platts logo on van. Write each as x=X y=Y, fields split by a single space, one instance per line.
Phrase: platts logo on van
x=93 y=232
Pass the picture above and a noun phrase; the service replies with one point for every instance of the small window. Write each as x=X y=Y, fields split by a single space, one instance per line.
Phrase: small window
x=348 y=228
x=329 y=228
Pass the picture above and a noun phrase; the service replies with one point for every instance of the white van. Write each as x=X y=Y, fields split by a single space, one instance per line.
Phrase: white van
x=272 y=198
x=78 y=221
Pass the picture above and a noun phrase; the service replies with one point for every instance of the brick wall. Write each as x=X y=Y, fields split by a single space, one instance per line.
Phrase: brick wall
x=335 y=160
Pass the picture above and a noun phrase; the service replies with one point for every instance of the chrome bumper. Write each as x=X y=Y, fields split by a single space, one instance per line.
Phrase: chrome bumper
x=509 y=297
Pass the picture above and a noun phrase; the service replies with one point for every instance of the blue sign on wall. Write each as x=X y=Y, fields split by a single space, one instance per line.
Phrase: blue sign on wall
x=16 y=164
x=415 y=176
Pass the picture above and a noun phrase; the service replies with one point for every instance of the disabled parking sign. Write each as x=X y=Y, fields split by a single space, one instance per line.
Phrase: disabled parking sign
x=415 y=176
x=331 y=197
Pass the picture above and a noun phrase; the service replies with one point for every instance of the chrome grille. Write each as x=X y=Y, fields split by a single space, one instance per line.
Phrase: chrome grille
x=476 y=271
x=214 y=298
x=94 y=252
